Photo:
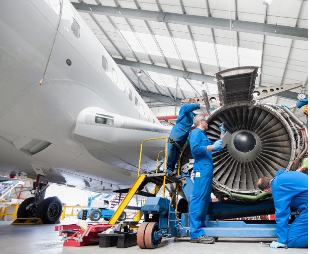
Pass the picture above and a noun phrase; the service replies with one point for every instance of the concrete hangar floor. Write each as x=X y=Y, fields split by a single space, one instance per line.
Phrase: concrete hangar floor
x=29 y=239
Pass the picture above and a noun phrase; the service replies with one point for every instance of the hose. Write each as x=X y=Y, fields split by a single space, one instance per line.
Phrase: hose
x=253 y=198
x=304 y=135
x=296 y=162
x=300 y=123
x=49 y=57
x=296 y=132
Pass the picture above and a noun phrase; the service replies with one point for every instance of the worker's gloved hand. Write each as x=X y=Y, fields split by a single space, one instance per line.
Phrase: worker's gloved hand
x=222 y=128
x=277 y=245
x=287 y=106
x=211 y=107
x=217 y=145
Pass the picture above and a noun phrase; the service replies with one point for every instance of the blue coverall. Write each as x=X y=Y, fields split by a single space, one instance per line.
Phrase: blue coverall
x=203 y=169
x=302 y=102
x=179 y=133
x=290 y=188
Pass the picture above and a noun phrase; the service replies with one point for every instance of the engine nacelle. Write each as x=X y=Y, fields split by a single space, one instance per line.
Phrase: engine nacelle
x=265 y=138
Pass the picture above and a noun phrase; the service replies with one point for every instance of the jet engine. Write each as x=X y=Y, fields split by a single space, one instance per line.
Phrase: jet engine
x=264 y=138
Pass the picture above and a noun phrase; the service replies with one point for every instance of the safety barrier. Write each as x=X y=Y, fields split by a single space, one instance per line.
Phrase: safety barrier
x=166 y=152
x=11 y=210
x=165 y=160
x=8 y=210
x=73 y=212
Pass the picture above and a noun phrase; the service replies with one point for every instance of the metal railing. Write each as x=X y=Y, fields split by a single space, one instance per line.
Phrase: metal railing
x=65 y=213
x=4 y=211
x=141 y=149
x=165 y=163
x=75 y=209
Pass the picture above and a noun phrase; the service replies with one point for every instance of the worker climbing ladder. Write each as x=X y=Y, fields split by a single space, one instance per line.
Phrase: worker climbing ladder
x=159 y=179
x=162 y=218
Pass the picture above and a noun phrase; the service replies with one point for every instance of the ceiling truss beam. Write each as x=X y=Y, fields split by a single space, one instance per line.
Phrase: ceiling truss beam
x=162 y=98
x=185 y=19
x=165 y=70
x=291 y=45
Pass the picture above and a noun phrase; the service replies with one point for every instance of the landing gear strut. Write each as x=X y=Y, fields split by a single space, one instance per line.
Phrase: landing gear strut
x=49 y=209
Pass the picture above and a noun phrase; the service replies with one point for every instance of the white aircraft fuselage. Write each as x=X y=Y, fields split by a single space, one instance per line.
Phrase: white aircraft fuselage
x=66 y=109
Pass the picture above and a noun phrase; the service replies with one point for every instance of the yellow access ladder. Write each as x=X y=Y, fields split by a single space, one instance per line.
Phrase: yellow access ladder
x=160 y=180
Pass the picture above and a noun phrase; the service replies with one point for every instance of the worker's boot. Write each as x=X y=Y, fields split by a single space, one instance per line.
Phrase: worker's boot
x=174 y=174
x=203 y=239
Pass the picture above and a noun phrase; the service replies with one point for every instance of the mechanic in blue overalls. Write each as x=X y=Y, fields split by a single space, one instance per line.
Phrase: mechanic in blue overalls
x=201 y=148
x=179 y=133
x=302 y=102
x=289 y=188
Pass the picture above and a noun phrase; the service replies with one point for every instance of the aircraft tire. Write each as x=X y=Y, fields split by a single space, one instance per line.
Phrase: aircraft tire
x=95 y=215
x=22 y=212
x=49 y=210
x=122 y=216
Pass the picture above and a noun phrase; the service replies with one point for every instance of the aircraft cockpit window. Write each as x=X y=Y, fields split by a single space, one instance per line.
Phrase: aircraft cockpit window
x=104 y=63
x=75 y=27
x=104 y=119
x=130 y=94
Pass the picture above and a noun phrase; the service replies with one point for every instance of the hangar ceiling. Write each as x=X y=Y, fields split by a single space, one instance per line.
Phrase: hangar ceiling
x=170 y=50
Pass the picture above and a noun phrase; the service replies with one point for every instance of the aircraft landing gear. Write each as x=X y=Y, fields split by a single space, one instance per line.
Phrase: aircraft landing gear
x=48 y=210
x=27 y=209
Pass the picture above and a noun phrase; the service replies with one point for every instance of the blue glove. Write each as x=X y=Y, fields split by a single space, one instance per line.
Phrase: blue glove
x=287 y=106
x=211 y=107
x=217 y=145
x=277 y=245
x=222 y=128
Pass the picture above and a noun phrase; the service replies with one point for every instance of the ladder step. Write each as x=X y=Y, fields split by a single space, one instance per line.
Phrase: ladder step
x=139 y=192
x=127 y=198
x=159 y=177
x=122 y=191
x=133 y=207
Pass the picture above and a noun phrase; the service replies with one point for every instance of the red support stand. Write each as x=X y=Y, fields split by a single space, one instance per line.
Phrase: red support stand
x=73 y=235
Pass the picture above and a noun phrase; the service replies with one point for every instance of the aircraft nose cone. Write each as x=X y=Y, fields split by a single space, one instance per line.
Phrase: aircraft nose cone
x=244 y=142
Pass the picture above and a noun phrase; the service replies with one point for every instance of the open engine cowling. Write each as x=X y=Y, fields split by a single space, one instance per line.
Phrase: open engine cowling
x=264 y=139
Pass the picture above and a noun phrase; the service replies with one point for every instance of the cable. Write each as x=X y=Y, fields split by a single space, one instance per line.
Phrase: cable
x=49 y=57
